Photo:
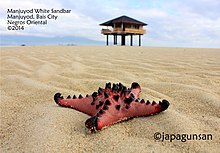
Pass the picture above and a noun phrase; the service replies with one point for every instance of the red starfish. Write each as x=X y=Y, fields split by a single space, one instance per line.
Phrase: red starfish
x=111 y=105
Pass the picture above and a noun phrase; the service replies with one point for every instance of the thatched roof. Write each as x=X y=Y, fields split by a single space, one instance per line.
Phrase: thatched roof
x=123 y=19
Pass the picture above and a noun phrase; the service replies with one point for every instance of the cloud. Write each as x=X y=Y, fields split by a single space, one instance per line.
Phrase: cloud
x=180 y=24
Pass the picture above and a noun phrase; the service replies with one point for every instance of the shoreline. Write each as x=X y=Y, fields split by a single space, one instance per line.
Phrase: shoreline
x=75 y=45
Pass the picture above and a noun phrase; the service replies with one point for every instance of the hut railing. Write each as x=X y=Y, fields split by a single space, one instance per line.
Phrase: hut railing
x=123 y=31
x=129 y=30
x=136 y=31
x=106 y=31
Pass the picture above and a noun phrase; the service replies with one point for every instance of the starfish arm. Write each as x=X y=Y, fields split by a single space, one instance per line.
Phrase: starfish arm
x=118 y=112
x=86 y=104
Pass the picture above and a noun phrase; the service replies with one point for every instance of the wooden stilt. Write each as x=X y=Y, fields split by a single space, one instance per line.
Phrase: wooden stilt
x=116 y=40
x=139 y=40
x=131 y=40
x=107 y=41
x=123 y=40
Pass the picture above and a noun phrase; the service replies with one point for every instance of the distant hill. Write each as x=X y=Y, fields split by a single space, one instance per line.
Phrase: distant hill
x=17 y=40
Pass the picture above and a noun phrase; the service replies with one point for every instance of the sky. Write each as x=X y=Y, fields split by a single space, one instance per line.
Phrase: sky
x=173 y=23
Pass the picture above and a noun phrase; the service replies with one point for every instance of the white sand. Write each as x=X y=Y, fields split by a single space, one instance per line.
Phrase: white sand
x=32 y=122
